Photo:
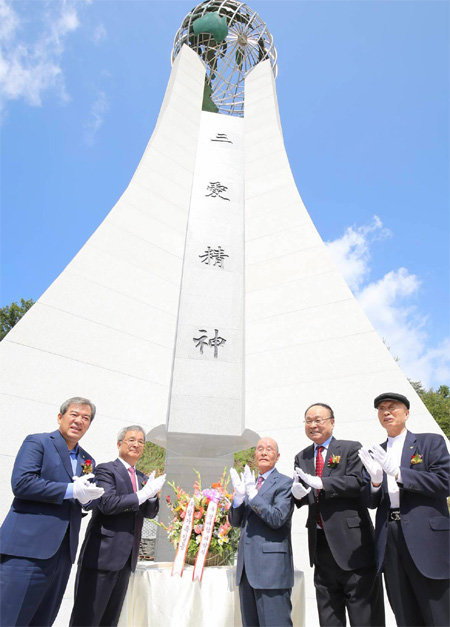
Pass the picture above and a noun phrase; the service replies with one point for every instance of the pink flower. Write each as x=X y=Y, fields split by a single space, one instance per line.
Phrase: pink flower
x=198 y=528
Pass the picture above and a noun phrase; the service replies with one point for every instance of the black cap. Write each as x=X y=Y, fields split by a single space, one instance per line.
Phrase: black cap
x=390 y=396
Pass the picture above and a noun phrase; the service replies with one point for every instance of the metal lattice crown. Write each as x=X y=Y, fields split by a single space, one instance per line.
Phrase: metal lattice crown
x=230 y=39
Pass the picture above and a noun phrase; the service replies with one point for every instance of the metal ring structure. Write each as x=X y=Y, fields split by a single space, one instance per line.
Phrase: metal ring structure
x=227 y=63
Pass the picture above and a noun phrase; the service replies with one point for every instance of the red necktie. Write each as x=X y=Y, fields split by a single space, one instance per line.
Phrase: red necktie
x=132 y=472
x=259 y=482
x=319 y=471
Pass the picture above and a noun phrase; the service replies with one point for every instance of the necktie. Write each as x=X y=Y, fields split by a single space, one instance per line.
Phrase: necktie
x=319 y=461
x=132 y=472
x=259 y=482
x=319 y=471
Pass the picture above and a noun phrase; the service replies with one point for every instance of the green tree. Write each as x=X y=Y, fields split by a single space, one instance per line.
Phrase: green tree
x=154 y=457
x=11 y=314
x=437 y=402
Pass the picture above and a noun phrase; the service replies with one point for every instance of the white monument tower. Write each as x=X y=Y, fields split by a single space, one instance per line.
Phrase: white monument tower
x=240 y=319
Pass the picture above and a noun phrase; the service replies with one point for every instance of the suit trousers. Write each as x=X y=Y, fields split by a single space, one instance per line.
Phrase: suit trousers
x=99 y=596
x=260 y=608
x=415 y=599
x=359 y=591
x=32 y=589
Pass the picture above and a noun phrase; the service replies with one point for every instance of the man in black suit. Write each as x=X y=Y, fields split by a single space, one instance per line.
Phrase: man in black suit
x=409 y=484
x=110 y=550
x=340 y=532
x=263 y=509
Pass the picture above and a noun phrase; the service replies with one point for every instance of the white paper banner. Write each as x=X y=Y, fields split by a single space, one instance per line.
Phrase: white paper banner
x=208 y=529
x=185 y=536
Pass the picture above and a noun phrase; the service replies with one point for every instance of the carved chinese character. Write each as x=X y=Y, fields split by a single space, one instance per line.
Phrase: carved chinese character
x=214 y=254
x=216 y=189
x=222 y=137
x=203 y=341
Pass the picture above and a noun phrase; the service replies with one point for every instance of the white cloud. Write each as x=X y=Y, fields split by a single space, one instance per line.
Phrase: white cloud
x=389 y=303
x=99 y=34
x=98 y=109
x=351 y=252
x=30 y=65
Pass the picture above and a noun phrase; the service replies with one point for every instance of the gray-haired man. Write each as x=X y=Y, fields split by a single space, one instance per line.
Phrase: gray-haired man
x=39 y=537
x=110 y=550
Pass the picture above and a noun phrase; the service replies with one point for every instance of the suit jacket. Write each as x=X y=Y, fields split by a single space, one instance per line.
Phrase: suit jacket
x=424 y=515
x=39 y=516
x=265 y=543
x=346 y=521
x=114 y=531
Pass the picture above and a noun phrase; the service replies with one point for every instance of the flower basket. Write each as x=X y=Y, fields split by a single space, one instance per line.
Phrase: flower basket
x=224 y=539
x=211 y=560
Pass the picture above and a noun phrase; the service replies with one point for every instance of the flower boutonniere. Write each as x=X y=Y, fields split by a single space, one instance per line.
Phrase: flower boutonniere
x=416 y=459
x=87 y=467
x=334 y=461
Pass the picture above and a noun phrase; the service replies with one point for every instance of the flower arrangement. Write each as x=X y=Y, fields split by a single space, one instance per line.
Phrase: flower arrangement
x=417 y=458
x=225 y=538
x=334 y=461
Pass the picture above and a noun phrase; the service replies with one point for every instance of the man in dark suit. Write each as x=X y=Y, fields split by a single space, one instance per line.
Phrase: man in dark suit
x=408 y=483
x=263 y=510
x=39 y=536
x=340 y=532
x=110 y=549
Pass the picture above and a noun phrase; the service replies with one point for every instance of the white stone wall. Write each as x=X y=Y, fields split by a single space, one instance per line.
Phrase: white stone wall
x=207 y=389
x=106 y=327
x=307 y=338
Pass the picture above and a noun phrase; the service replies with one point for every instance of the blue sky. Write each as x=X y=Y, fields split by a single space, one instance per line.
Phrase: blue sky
x=363 y=90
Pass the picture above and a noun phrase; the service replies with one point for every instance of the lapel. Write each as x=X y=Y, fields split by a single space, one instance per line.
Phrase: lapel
x=332 y=449
x=308 y=458
x=384 y=482
x=409 y=448
x=269 y=482
x=123 y=474
x=61 y=447
x=81 y=458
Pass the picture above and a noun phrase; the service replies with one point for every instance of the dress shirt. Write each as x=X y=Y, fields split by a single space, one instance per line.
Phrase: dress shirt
x=325 y=445
x=74 y=461
x=395 y=448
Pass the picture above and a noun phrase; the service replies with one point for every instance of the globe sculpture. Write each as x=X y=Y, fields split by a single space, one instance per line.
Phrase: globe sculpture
x=231 y=39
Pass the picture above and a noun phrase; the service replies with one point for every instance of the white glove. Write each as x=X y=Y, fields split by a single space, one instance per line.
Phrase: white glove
x=298 y=490
x=239 y=486
x=151 y=488
x=84 y=491
x=311 y=480
x=371 y=465
x=250 y=483
x=385 y=460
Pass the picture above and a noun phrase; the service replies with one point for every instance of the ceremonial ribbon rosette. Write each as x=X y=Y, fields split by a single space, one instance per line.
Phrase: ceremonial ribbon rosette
x=199 y=529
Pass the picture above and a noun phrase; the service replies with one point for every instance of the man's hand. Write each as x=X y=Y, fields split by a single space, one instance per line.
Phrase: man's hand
x=371 y=465
x=84 y=491
x=250 y=483
x=384 y=458
x=151 y=488
x=311 y=480
x=298 y=489
x=239 y=486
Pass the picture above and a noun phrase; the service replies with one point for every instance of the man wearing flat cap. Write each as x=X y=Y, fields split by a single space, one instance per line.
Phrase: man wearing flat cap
x=408 y=483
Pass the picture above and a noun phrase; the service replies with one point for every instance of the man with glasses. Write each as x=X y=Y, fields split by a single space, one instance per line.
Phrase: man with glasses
x=328 y=478
x=408 y=483
x=110 y=549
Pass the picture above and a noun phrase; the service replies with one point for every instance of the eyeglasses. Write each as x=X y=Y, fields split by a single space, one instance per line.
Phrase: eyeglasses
x=132 y=441
x=317 y=421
